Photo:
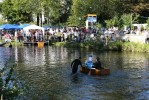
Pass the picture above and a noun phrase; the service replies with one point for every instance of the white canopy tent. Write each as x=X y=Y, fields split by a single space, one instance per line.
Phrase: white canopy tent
x=27 y=28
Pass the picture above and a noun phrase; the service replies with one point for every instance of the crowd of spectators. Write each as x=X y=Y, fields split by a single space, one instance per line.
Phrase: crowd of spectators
x=68 y=34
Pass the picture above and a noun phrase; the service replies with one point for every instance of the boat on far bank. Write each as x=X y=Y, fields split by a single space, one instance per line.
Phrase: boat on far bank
x=94 y=71
x=2 y=44
x=37 y=43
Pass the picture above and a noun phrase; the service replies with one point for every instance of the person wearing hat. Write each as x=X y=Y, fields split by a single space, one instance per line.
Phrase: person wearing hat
x=97 y=64
x=74 y=65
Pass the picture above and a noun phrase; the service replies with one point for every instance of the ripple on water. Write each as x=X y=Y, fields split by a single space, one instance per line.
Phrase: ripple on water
x=47 y=73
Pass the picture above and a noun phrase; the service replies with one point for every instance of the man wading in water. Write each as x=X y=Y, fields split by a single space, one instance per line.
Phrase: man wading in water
x=75 y=64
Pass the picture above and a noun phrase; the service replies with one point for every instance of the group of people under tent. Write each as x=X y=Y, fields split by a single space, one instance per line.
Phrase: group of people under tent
x=88 y=63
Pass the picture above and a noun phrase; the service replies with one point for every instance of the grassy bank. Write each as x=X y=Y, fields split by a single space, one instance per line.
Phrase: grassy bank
x=113 y=46
x=128 y=46
x=86 y=45
x=14 y=43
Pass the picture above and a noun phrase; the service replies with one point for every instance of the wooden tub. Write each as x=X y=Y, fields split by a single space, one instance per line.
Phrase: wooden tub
x=94 y=71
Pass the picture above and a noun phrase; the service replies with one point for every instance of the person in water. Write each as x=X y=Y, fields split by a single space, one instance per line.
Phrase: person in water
x=10 y=45
x=89 y=62
x=74 y=65
x=97 y=64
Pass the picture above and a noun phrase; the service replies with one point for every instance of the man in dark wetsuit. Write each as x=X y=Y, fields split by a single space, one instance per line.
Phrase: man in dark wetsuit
x=97 y=64
x=75 y=64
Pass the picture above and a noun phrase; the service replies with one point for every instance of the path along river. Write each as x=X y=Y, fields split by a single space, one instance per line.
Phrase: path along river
x=47 y=73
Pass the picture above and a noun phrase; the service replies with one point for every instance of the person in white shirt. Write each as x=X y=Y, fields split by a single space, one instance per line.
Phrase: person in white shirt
x=89 y=62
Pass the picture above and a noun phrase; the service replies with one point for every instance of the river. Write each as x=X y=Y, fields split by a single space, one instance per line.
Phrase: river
x=47 y=74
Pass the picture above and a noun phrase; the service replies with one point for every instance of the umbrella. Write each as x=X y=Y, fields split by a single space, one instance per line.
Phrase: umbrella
x=9 y=27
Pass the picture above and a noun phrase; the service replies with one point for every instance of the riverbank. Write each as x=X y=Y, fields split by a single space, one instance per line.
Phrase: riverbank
x=112 y=46
x=128 y=46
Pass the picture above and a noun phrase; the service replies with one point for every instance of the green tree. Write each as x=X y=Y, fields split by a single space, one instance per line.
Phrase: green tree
x=24 y=10
x=15 y=11
x=98 y=25
x=105 y=9
x=147 y=23
x=0 y=8
x=57 y=11
x=126 y=19
x=129 y=19
x=112 y=22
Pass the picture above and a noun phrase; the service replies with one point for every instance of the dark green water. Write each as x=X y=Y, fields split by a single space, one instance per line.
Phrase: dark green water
x=47 y=73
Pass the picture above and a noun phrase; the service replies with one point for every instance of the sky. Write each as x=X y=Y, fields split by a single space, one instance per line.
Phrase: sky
x=1 y=0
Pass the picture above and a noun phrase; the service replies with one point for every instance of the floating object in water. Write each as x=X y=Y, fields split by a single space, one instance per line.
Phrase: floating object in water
x=94 y=71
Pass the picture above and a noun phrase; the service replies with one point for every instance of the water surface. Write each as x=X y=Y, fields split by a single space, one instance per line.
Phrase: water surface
x=47 y=73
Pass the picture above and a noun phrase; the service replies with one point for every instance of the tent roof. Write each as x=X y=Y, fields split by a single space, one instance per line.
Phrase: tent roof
x=24 y=25
x=33 y=27
x=9 y=27
x=46 y=27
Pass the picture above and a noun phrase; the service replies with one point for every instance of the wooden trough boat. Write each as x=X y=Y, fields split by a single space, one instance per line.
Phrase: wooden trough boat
x=94 y=71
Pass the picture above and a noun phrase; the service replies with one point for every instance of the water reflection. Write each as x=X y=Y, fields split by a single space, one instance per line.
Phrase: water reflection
x=6 y=57
x=76 y=79
x=47 y=72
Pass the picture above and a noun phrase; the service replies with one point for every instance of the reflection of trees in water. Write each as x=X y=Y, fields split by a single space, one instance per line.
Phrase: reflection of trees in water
x=6 y=57
x=10 y=86
x=41 y=55
x=124 y=60
x=134 y=60
x=47 y=70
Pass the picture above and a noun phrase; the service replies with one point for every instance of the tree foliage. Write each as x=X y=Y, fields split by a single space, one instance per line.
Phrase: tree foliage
x=15 y=11
x=0 y=7
x=147 y=23
x=112 y=22
x=59 y=11
x=105 y=9
x=23 y=10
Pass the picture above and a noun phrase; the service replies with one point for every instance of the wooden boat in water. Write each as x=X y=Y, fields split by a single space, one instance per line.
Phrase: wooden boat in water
x=94 y=71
